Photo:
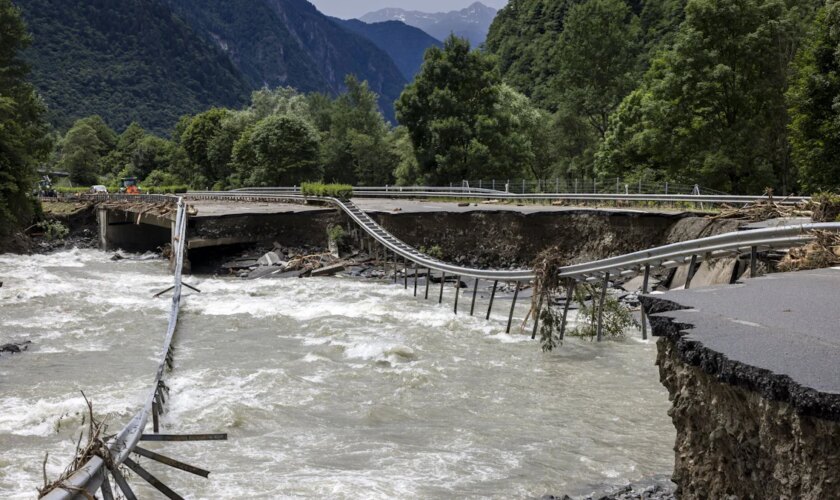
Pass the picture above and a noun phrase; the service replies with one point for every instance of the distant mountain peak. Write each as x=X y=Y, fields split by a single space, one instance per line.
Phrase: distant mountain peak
x=472 y=22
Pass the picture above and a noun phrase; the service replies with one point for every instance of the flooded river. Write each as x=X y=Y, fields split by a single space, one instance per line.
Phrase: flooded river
x=327 y=387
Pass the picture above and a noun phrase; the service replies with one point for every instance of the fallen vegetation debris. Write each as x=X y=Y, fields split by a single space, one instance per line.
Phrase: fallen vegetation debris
x=823 y=252
x=94 y=446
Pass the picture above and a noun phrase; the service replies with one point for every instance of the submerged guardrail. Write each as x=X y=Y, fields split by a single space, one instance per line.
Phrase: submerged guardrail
x=91 y=476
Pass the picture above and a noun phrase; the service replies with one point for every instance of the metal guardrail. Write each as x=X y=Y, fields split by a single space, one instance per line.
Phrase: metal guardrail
x=665 y=256
x=90 y=477
x=479 y=193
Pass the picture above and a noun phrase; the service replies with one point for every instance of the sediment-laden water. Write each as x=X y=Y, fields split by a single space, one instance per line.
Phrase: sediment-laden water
x=327 y=387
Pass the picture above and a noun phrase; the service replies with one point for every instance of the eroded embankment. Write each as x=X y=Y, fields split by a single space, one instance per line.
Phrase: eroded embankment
x=743 y=429
x=508 y=238
x=479 y=238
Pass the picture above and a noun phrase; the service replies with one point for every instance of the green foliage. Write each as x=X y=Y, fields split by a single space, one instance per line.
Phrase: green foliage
x=340 y=191
x=280 y=150
x=711 y=109
x=457 y=117
x=24 y=142
x=433 y=251
x=616 y=317
x=356 y=140
x=53 y=230
x=336 y=233
x=126 y=61
x=813 y=97
x=208 y=143
x=174 y=189
x=81 y=151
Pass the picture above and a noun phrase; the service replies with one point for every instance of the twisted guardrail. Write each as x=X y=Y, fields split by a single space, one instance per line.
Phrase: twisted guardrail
x=668 y=256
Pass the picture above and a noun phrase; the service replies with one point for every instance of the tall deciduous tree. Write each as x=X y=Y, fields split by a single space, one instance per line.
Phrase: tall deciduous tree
x=356 y=144
x=209 y=146
x=280 y=150
x=23 y=137
x=815 y=105
x=81 y=151
x=455 y=118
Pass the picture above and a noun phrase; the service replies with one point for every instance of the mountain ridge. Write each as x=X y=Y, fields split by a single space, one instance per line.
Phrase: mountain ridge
x=472 y=22
x=405 y=44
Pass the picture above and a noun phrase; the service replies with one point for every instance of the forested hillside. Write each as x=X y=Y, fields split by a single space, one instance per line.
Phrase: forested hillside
x=290 y=43
x=681 y=90
x=405 y=44
x=127 y=61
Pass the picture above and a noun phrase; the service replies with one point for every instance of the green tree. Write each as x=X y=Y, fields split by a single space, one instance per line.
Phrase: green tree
x=151 y=153
x=280 y=150
x=455 y=118
x=814 y=98
x=208 y=144
x=710 y=109
x=81 y=152
x=356 y=145
x=23 y=137
x=597 y=60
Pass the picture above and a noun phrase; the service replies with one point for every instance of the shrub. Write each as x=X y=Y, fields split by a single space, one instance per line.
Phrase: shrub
x=53 y=230
x=165 y=189
x=340 y=191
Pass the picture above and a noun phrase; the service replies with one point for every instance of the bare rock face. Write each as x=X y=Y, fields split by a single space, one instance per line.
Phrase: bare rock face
x=732 y=441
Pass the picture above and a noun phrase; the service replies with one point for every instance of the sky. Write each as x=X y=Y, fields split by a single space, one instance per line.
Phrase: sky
x=347 y=9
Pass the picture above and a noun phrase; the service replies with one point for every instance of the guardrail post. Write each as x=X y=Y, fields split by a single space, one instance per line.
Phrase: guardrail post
x=645 y=283
x=457 y=291
x=753 y=261
x=475 y=291
x=405 y=273
x=155 y=407
x=601 y=306
x=570 y=293
x=105 y=488
x=442 y=281
x=492 y=297
x=415 y=279
x=428 y=279
x=537 y=318
x=395 y=268
x=512 y=307
x=122 y=483
x=691 y=267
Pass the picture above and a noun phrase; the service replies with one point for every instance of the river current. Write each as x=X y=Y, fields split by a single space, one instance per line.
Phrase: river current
x=327 y=387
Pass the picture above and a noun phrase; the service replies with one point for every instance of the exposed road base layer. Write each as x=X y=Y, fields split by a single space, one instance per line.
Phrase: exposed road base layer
x=755 y=400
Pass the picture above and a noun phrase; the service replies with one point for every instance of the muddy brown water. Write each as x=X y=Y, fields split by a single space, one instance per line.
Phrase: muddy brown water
x=326 y=386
